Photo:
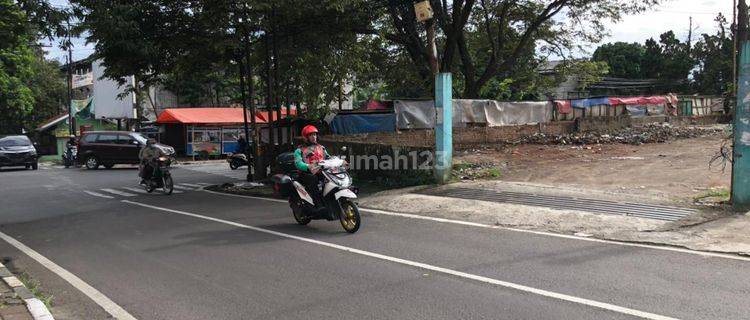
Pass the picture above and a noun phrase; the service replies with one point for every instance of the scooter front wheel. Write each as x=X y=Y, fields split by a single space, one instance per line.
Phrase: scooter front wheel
x=349 y=216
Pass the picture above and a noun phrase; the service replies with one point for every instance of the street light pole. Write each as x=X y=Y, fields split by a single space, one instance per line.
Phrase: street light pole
x=71 y=118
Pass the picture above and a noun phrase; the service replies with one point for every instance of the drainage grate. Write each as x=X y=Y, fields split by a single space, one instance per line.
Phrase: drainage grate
x=567 y=203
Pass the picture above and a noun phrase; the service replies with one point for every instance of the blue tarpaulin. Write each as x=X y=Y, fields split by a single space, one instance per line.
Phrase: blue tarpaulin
x=363 y=123
x=588 y=103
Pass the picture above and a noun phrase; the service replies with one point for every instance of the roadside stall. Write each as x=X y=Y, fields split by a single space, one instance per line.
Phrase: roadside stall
x=208 y=132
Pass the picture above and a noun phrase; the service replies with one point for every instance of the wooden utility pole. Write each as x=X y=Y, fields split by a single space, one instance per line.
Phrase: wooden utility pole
x=432 y=47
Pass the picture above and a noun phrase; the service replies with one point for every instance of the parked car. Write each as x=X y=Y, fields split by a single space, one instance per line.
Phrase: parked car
x=108 y=148
x=18 y=151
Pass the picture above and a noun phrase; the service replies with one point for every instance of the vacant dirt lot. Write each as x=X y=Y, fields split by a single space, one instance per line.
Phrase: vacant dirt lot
x=677 y=170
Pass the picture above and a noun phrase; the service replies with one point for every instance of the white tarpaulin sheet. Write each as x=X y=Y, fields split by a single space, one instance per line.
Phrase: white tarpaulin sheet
x=414 y=114
x=421 y=114
x=512 y=113
x=472 y=111
x=106 y=101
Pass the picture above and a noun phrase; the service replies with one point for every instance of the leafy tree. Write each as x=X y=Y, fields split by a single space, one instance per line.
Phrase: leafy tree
x=31 y=88
x=714 y=55
x=652 y=62
x=623 y=59
x=676 y=61
x=510 y=31
x=135 y=39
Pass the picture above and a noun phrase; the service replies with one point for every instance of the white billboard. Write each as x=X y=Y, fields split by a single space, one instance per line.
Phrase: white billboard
x=82 y=80
x=107 y=104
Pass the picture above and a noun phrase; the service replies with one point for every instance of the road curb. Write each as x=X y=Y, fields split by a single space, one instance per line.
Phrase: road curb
x=35 y=306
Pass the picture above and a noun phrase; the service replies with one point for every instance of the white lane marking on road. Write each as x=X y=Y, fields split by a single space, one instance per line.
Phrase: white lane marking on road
x=520 y=287
x=135 y=190
x=183 y=188
x=190 y=185
x=203 y=184
x=118 y=192
x=557 y=235
x=108 y=305
x=541 y=233
x=246 y=197
x=144 y=191
x=97 y=194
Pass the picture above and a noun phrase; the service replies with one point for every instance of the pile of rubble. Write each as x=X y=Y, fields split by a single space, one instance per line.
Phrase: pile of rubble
x=474 y=171
x=650 y=133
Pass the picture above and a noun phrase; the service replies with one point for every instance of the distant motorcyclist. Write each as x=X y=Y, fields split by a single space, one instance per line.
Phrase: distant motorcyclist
x=71 y=142
x=147 y=155
x=306 y=159
x=69 y=158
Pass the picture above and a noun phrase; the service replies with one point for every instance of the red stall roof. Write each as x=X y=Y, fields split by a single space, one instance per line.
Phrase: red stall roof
x=207 y=116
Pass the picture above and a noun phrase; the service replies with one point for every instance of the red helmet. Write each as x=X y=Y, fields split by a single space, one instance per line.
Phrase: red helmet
x=308 y=130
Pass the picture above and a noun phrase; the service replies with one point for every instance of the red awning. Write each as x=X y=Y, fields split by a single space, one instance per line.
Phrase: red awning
x=264 y=114
x=637 y=100
x=222 y=116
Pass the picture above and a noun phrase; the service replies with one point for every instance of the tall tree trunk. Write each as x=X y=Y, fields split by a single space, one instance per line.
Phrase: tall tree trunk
x=269 y=96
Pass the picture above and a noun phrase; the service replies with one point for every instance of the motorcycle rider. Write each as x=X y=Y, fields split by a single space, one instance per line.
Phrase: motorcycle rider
x=306 y=159
x=69 y=144
x=69 y=150
x=147 y=155
x=242 y=145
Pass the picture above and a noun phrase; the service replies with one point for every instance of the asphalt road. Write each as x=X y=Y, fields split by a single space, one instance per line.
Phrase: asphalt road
x=199 y=255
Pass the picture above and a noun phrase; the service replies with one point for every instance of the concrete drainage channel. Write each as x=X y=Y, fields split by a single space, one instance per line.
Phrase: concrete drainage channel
x=648 y=211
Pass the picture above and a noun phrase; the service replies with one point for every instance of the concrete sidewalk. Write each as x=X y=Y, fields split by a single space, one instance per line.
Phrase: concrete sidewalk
x=17 y=302
x=706 y=229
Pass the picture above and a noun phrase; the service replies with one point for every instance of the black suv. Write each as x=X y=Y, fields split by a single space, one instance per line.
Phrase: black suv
x=18 y=151
x=108 y=148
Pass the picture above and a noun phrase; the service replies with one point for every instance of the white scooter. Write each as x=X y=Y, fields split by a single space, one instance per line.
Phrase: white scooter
x=337 y=190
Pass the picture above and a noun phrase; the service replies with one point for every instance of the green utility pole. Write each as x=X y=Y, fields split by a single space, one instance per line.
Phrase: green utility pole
x=443 y=128
x=741 y=130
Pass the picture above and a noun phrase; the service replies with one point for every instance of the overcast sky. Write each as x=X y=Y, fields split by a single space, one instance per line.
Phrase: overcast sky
x=671 y=15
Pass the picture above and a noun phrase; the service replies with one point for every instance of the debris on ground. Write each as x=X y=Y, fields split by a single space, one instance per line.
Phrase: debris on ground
x=649 y=133
x=474 y=171
x=245 y=188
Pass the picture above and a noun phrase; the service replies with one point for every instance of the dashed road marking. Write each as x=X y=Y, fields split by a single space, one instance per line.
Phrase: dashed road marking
x=183 y=188
x=190 y=185
x=501 y=283
x=136 y=190
x=97 y=194
x=118 y=192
